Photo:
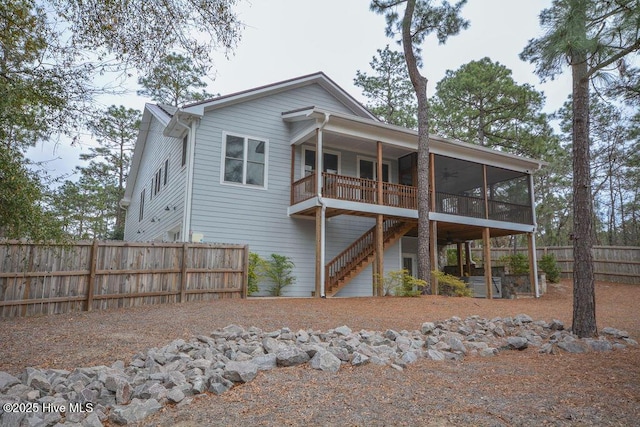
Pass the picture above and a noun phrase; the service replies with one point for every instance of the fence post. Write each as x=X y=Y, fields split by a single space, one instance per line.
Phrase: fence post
x=245 y=273
x=27 y=283
x=92 y=274
x=183 y=272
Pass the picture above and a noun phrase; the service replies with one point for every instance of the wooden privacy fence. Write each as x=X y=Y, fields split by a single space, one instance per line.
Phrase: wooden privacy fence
x=54 y=278
x=617 y=264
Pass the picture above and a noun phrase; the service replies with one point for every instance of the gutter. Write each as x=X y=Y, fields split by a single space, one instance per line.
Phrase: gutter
x=186 y=220
x=323 y=210
x=533 y=240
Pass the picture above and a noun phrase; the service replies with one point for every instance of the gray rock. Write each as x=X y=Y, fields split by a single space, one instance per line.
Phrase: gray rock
x=598 y=345
x=427 y=328
x=175 y=395
x=240 y=372
x=409 y=357
x=343 y=330
x=92 y=420
x=271 y=345
x=7 y=380
x=218 y=384
x=325 y=361
x=359 y=359
x=488 y=352
x=523 y=318
x=517 y=343
x=573 y=346
x=456 y=345
x=291 y=356
x=233 y=331
x=556 y=325
x=265 y=362
x=434 y=355
x=136 y=411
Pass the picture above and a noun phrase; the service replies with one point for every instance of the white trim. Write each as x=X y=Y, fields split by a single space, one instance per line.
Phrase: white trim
x=481 y=222
x=245 y=155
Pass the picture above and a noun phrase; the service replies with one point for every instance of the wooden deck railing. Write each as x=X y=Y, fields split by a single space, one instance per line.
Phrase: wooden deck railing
x=354 y=190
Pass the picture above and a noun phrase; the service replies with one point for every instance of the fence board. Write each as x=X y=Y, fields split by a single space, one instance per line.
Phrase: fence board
x=617 y=264
x=53 y=278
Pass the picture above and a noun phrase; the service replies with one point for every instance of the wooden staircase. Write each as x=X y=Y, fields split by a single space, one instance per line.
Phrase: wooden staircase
x=355 y=258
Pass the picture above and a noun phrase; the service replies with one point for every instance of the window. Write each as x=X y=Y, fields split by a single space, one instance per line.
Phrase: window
x=330 y=161
x=166 y=171
x=141 y=212
x=368 y=169
x=245 y=160
x=185 y=142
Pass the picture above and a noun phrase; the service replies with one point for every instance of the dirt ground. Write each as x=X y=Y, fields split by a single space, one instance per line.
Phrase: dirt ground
x=514 y=388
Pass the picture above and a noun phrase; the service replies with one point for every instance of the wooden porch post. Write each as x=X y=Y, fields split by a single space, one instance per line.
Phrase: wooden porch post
x=533 y=267
x=467 y=250
x=433 y=252
x=460 y=264
x=486 y=243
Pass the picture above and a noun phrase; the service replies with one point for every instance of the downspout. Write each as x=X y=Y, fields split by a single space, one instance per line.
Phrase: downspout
x=323 y=210
x=186 y=220
x=533 y=239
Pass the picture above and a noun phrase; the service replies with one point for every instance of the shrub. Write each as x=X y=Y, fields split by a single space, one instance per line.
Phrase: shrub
x=278 y=269
x=255 y=264
x=517 y=263
x=451 y=285
x=401 y=283
x=549 y=265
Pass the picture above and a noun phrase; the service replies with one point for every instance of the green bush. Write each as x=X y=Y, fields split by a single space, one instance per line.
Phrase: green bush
x=401 y=283
x=278 y=269
x=255 y=264
x=549 y=265
x=517 y=263
x=451 y=285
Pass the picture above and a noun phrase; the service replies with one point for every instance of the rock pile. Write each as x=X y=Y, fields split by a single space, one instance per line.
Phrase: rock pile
x=214 y=363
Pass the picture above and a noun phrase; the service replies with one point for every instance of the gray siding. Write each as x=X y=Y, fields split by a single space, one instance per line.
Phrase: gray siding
x=258 y=217
x=158 y=148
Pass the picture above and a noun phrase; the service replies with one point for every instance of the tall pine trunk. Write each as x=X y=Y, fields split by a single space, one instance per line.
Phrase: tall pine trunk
x=420 y=85
x=584 y=303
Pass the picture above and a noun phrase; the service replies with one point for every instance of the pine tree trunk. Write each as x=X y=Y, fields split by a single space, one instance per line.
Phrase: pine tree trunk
x=584 y=303
x=420 y=85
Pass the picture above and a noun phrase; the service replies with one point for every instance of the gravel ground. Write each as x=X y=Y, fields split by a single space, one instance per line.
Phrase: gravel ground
x=514 y=388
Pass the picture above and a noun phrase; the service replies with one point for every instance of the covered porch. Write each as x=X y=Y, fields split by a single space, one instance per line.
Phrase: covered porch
x=475 y=192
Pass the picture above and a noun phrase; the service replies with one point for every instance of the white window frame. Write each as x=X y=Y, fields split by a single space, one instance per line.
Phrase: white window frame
x=244 y=161
x=335 y=153
x=375 y=169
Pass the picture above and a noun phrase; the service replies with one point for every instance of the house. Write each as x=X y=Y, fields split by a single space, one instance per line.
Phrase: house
x=302 y=169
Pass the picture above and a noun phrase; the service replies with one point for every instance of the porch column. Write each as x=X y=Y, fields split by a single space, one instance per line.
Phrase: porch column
x=459 y=253
x=433 y=253
x=319 y=159
x=467 y=250
x=486 y=243
x=533 y=264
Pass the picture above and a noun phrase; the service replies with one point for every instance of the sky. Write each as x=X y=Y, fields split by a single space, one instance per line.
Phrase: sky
x=284 y=39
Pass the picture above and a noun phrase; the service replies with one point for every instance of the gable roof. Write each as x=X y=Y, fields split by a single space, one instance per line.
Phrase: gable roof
x=316 y=78
x=162 y=113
